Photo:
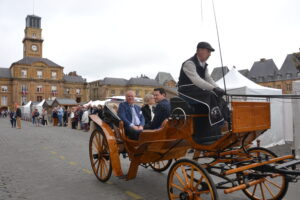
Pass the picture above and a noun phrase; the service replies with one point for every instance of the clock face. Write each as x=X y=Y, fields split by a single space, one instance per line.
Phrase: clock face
x=34 y=47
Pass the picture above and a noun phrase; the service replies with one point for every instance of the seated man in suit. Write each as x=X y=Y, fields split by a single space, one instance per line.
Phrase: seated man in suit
x=162 y=110
x=132 y=116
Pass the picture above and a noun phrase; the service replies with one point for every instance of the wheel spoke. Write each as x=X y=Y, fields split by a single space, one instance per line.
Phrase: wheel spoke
x=94 y=164
x=179 y=178
x=200 y=181
x=262 y=191
x=254 y=190
x=192 y=178
x=270 y=191
x=95 y=145
x=184 y=174
x=276 y=185
x=98 y=166
x=177 y=186
x=202 y=192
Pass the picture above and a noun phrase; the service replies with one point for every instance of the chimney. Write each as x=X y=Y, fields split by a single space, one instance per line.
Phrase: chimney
x=262 y=59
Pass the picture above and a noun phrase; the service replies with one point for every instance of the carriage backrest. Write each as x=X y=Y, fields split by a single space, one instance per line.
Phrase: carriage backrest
x=110 y=113
x=179 y=103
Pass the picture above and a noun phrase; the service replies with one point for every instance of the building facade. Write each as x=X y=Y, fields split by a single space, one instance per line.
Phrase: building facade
x=108 y=87
x=34 y=78
x=265 y=73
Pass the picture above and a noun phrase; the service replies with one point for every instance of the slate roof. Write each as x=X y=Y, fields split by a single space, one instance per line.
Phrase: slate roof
x=5 y=73
x=29 y=60
x=244 y=72
x=48 y=103
x=63 y=101
x=142 y=81
x=162 y=77
x=263 y=71
x=74 y=79
x=217 y=73
x=289 y=67
x=114 y=81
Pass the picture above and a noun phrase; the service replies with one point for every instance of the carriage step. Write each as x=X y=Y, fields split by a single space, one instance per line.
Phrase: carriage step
x=288 y=164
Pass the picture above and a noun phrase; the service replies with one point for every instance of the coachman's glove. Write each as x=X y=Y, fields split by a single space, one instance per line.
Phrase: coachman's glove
x=219 y=92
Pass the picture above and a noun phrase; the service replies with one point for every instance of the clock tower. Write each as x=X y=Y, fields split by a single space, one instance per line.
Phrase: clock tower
x=33 y=42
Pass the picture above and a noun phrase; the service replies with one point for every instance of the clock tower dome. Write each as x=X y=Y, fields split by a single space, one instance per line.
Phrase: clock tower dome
x=33 y=42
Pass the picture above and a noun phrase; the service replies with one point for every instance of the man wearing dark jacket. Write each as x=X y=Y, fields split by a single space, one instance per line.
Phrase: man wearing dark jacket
x=162 y=110
x=132 y=116
x=196 y=86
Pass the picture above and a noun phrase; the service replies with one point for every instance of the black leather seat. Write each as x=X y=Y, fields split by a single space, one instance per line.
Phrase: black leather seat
x=204 y=133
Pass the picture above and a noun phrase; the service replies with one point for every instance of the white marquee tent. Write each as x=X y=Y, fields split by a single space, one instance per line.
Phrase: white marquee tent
x=26 y=110
x=281 y=116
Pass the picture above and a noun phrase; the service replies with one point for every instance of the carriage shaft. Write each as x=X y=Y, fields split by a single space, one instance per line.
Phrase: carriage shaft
x=246 y=167
x=243 y=186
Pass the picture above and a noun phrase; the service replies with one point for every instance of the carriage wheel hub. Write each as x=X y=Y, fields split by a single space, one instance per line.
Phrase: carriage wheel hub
x=188 y=195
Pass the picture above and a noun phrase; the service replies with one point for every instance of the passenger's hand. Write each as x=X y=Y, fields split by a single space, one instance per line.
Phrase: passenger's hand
x=219 y=92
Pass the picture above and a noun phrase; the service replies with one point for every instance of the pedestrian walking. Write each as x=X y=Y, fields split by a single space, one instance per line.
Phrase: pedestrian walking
x=12 y=116
x=18 y=116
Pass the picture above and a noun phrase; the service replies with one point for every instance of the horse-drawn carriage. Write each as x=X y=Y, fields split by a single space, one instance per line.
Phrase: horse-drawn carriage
x=230 y=157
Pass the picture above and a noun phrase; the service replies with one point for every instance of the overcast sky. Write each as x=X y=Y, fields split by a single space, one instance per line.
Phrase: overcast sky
x=127 y=38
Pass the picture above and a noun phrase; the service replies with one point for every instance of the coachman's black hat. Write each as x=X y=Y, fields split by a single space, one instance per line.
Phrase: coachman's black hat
x=205 y=45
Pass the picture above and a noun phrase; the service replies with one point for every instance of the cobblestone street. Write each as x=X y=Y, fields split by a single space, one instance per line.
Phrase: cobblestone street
x=51 y=163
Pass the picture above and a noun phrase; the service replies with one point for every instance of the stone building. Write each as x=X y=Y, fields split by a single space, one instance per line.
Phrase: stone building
x=102 y=89
x=265 y=73
x=34 y=78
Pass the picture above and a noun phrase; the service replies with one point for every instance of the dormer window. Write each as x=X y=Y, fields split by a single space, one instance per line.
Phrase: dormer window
x=288 y=75
x=278 y=76
x=298 y=74
x=24 y=73
x=260 y=78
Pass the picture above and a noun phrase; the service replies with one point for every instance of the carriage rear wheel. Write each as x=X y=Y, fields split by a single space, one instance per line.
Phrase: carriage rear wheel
x=187 y=180
x=99 y=156
x=273 y=186
x=161 y=166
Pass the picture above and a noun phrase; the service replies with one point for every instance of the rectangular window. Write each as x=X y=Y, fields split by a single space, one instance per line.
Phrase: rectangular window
x=54 y=90
x=288 y=75
x=39 y=88
x=39 y=98
x=137 y=93
x=39 y=74
x=23 y=100
x=53 y=75
x=4 y=100
x=24 y=73
x=24 y=89
x=77 y=91
x=289 y=87
x=4 y=88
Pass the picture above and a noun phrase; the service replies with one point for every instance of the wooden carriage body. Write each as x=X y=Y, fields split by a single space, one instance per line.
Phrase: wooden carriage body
x=174 y=138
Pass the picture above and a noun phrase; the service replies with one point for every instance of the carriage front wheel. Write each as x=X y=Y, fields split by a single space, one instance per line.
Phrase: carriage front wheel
x=187 y=180
x=273 y=185
x=99 y=155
